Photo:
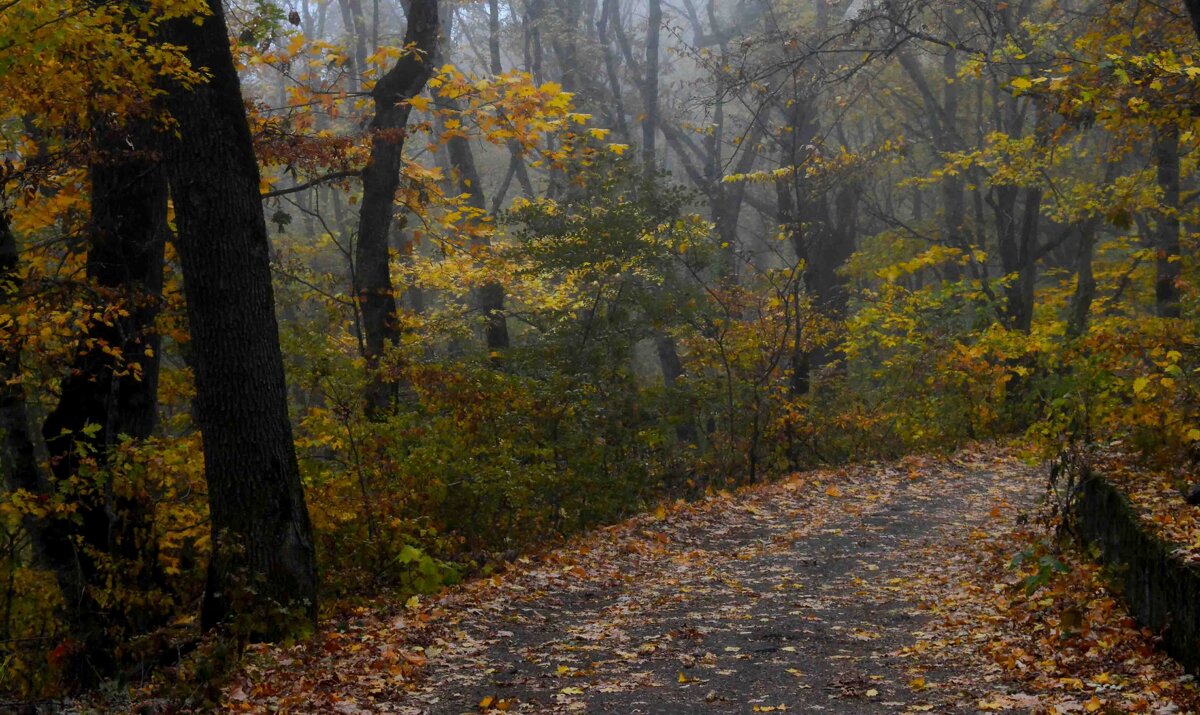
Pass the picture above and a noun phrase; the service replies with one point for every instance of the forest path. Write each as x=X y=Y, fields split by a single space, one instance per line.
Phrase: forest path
x=812 y=594
x=801 y=596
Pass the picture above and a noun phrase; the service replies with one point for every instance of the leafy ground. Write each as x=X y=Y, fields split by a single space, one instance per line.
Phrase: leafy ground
x=876 y=588
x=1157 y=495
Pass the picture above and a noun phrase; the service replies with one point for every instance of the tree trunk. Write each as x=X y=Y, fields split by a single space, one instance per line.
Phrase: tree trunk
x=18 y=459
x=789 y=223
x=616 y=113
x=1027 y=272
x=352 y=22
x=1193 y=8
x=1012 y=237
x=488 y=298
x=830 y=243
x=1085 y=286
x=650 y=86
x=262 y=549
x=1166 y=234
x=494 y=36
x=381 y=178
x=111 y=391
x=516 y=161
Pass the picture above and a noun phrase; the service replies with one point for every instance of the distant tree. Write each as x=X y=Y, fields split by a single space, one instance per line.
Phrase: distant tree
x=381 y=179
x=1193 y=8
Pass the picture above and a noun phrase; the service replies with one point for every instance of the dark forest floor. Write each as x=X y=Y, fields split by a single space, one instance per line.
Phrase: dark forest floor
x=869 y=589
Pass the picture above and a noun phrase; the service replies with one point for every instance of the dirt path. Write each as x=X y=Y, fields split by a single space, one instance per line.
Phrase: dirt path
x=801 y=597
x=809 y=595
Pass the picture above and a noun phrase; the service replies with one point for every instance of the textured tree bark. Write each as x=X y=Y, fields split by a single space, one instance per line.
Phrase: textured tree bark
x=381 y=178
x=262 y=551
x=111 y=391
x=1166 y=234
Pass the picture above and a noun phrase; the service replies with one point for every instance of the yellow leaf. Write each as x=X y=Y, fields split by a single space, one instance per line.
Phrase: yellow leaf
x=486 y=702
x=833 y=491
x=1022 y=83
x=1093 y=705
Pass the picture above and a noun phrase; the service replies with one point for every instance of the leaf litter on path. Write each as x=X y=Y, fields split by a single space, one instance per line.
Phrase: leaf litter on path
x=876 y=588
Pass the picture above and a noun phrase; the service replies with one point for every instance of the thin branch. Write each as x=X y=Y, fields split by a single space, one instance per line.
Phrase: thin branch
x=347 y=174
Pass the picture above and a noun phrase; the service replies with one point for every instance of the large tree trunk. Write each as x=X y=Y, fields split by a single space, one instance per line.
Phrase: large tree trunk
x=262 y=548
x=381 y=178
x=1166 y=234
x=110 y=392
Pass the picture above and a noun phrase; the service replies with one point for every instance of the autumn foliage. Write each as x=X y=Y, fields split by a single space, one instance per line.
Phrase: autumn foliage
x=976 y=221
